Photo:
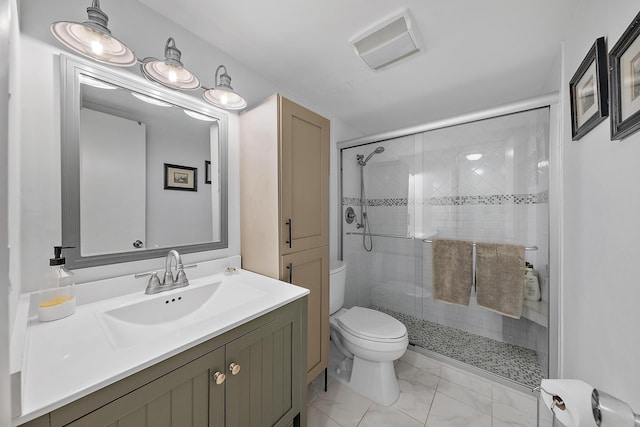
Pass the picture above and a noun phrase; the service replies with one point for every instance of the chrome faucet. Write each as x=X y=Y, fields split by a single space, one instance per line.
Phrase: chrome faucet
x=168 y=275
x=169 y=281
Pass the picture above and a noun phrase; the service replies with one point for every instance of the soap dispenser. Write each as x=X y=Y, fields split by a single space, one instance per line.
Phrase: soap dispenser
x=56 y=297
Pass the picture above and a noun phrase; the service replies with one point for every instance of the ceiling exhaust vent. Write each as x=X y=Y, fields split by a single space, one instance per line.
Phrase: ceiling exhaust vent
x=388 y=42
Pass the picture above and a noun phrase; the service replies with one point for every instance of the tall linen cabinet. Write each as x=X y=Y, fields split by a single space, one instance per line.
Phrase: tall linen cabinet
x=284 y=197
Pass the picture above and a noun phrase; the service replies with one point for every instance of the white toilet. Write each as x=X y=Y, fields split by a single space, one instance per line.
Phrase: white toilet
x=365 y=341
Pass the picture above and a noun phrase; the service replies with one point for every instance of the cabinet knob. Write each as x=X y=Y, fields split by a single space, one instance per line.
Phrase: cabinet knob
x=234 y=368
x=219 y=377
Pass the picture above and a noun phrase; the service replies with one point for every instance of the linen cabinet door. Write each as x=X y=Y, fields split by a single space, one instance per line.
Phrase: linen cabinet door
x=265 y=389
x=187 y=396
x=304 y=179
x=310 y=269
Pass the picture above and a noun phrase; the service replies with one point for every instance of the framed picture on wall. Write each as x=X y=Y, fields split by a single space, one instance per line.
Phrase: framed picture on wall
x=624 y=60
x=180 y=177
x=207 y=171
x=589 y=91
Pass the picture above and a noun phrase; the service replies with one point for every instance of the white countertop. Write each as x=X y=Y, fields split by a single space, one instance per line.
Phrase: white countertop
x=70 y=358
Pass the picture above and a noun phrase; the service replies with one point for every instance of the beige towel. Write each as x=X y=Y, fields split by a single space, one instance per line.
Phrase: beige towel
x=500 y=278
x=452 y=270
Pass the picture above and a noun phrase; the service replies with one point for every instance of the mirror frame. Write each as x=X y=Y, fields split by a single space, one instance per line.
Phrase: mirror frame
x=70 y=70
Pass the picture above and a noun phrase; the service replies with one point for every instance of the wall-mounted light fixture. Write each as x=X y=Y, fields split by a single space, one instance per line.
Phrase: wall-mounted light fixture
x=92 y=39
x=223 y=95
x=169 y=72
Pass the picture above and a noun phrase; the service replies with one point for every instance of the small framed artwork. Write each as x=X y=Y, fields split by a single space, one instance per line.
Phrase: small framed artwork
x=589 y=91
x=207 y=171
x=180 y=177
x=624 y=60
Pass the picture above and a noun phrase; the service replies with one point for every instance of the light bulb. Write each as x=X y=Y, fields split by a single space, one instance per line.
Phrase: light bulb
x=96 y=47
x=172 y=76
x=224 y=99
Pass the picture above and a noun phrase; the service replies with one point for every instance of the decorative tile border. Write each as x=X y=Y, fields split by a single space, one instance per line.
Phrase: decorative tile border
x=355 y=201
x=494 y=199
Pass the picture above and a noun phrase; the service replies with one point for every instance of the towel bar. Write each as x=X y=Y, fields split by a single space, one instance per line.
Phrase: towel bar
x=392 y=236
x=527 y=248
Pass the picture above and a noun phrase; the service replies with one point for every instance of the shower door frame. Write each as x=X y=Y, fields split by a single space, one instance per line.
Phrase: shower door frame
x=551 y=101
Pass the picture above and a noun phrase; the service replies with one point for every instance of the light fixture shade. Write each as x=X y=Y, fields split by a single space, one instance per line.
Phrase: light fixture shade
x=223 y=95
x=474 y=156
x=150 y=100
x=200 y=116
x=170 y=72
x=93 y=39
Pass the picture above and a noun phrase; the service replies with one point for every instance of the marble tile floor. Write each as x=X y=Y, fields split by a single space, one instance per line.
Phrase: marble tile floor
x=432 y=394
x=506 y=360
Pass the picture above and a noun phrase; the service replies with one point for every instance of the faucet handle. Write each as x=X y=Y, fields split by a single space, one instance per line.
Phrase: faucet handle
x=181 y=276
x=148 y=273
x=153 y=286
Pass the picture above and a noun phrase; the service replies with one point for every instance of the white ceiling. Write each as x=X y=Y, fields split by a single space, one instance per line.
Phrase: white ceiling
x=476 y=53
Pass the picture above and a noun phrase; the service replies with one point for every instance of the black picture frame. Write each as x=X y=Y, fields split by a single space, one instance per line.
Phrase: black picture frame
x=183 y=178
x=207 y=171
x=624 y=62
x=589 y=91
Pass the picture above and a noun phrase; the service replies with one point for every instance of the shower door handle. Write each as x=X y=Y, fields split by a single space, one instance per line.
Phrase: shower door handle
x=288 y=242
x=290 y=268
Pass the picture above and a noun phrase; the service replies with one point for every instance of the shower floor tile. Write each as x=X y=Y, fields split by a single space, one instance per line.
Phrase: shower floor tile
x=506 y=360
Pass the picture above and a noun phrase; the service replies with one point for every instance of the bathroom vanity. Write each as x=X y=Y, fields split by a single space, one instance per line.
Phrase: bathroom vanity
x=234 y=356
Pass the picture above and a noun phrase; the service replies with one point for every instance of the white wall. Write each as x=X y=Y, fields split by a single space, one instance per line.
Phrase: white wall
x=190 y=211
x=600 y=287
x=5 y=396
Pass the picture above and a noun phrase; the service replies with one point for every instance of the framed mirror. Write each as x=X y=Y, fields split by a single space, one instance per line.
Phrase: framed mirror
x=144 y=168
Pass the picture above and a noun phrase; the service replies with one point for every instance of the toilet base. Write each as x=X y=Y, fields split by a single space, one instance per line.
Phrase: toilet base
x=376 y=381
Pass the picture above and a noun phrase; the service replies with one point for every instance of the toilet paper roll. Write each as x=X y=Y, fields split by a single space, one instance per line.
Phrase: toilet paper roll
x=576 y=395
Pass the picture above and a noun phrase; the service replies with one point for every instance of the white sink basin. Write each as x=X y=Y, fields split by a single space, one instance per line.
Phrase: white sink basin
x=172 y=311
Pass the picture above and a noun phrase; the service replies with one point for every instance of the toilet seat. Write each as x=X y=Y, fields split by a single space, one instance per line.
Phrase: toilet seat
x=372 y=325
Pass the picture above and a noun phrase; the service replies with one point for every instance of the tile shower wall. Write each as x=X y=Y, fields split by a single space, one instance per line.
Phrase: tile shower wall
x=423 y=185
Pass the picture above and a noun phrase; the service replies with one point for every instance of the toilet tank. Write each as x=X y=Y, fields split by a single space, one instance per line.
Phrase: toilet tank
x=337 y=283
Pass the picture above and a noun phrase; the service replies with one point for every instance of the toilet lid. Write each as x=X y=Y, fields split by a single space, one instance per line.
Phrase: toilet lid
x=368 y=323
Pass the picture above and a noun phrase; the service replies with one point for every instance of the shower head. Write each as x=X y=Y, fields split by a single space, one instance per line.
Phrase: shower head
x=364 y=162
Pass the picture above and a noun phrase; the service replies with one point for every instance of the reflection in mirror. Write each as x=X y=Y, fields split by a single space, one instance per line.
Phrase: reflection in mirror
x=121 y=201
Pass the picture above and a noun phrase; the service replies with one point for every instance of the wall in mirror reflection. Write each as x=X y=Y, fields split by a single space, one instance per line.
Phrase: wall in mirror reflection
x=125 y=141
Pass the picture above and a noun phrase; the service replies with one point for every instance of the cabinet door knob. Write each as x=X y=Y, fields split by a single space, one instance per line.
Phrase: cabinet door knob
x=219 y=377
x=234 y=369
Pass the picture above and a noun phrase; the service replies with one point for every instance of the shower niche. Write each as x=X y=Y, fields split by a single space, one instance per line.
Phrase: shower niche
x=485 y=181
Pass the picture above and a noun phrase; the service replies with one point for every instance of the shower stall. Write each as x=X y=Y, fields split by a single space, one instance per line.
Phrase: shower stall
x=485 y=180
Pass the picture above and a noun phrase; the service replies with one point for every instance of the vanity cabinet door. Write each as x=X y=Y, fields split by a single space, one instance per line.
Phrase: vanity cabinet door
x=187 y=396
x=304 y=178
x=310 y=269
x=267 y=388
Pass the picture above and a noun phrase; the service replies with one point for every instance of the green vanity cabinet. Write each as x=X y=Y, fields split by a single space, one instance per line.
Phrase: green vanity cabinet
x=268 y=356
x=184 y=397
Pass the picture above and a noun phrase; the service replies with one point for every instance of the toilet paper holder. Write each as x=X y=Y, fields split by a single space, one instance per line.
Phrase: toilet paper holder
x=608 y=411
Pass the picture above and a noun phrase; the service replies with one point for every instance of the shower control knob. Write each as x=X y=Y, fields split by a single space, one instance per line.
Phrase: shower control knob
x=349 y=215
